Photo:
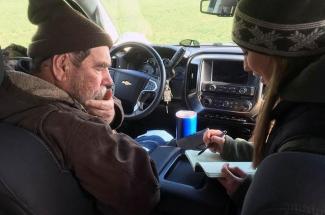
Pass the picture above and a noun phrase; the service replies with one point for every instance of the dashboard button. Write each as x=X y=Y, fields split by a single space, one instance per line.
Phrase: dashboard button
x=242 y=90
x=225 y=104
x=212 y=87
x=207 y=101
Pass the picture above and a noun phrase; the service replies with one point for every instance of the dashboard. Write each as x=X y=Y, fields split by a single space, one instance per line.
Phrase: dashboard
x=207 y=79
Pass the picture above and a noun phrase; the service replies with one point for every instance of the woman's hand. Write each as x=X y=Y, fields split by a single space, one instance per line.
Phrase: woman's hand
x=214 y=140
x=232 y=178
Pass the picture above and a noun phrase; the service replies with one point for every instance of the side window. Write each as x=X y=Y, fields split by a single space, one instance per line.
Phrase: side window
x=14 y=24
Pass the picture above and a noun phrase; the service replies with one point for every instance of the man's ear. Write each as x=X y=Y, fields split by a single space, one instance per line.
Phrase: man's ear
x=60 y=67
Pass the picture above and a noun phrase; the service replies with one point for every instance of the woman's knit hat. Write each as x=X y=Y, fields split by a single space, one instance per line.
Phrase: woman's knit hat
x=289 y=28
x=62 y=29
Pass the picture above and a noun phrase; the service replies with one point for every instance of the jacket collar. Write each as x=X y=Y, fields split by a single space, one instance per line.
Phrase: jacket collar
x=41 y=88
x=308 y=86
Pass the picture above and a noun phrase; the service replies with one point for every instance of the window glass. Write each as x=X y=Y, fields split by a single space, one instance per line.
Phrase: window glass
x=168 y=21
x=14 y=24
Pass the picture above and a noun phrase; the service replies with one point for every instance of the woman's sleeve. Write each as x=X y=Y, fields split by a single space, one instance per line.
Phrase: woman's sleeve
x=237 y=149
x=239 y=196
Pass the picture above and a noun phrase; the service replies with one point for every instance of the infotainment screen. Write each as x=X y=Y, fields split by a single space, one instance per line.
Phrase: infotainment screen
x=229 y=71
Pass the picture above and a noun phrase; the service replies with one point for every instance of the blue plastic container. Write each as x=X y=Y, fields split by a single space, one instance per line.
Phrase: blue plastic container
x=186 y=123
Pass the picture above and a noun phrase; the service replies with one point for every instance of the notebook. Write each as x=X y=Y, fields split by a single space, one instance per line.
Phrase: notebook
x=211 y=163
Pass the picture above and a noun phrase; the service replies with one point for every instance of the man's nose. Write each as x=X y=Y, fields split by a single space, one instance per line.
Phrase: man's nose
x=107 y=79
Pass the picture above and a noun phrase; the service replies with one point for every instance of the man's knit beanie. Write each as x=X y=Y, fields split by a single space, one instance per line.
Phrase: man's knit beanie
x=62 y=29
x=288 y=28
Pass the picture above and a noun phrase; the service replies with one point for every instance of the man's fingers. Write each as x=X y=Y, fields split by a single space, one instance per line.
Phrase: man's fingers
x=100 y=104
x=100 y=113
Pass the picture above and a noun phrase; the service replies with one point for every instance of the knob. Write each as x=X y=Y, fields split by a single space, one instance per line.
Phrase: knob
x=212 y=87
x=226 y=104
x=247 y=105
x=207 y=101
x=242 y=90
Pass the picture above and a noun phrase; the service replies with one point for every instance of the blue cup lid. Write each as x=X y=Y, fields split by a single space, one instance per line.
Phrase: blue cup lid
x=185 y=114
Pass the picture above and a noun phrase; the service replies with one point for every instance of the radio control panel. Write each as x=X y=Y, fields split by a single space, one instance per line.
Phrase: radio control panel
x=230 y=104
x=222 y=86
x=238 y=90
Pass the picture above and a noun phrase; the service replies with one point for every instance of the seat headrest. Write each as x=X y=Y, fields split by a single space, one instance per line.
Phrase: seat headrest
x=2 y=69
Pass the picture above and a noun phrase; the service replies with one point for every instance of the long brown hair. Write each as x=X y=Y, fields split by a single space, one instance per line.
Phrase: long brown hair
x=283 y=70
x=263 y=123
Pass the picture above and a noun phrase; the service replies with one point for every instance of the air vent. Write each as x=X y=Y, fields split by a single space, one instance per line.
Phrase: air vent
x=192 y=77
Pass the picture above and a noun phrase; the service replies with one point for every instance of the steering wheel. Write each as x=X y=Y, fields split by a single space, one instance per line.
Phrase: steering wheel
x=135 y=88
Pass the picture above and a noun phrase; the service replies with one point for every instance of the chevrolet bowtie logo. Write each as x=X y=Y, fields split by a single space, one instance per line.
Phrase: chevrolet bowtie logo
x=126 y=83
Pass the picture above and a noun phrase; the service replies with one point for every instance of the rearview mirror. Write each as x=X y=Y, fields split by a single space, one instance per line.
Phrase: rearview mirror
x=189 y=43
x=218 y=7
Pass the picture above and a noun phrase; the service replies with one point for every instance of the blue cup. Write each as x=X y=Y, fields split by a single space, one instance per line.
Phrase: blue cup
x=186 y=123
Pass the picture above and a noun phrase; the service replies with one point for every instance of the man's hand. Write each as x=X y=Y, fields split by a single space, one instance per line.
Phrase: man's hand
x=102 y=108
x=232 y=177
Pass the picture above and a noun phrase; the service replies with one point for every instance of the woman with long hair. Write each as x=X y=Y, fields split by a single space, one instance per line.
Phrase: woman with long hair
x=283 y=43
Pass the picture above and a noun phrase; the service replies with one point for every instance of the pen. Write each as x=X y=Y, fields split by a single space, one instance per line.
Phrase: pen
x=203 y=150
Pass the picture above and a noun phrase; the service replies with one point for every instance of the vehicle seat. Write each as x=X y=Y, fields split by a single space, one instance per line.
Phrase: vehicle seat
x=31 y=180
x=288 y=183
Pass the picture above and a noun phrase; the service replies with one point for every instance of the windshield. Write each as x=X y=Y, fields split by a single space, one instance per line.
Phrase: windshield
x=160 y=22
x=168 y=21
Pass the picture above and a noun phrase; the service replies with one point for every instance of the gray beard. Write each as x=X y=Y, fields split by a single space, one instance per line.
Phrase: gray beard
x=102 y=92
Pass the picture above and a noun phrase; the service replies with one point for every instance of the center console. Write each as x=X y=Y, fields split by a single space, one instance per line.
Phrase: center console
x=227 y=97
x=184 y=191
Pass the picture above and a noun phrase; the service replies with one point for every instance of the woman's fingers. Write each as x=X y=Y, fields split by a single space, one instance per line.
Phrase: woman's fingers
x=217 y=143
x=217 y=139
x=237 y=172
x=214 y=140
x=206 y=136
x=232 y=178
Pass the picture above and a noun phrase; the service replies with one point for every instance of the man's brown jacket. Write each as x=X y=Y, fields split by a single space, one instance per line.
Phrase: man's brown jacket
x=111 y=166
